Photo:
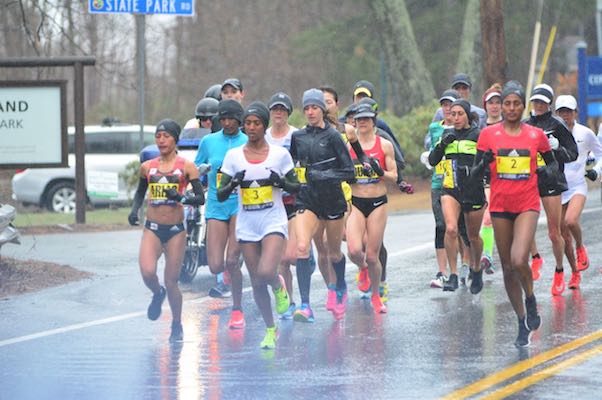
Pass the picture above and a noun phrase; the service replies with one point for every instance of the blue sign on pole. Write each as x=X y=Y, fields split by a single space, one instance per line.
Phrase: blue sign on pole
x=165 y=7
x=594 y=77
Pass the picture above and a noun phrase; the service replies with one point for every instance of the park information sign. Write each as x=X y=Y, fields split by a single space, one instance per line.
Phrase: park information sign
x=165 y=7
x=33 y=130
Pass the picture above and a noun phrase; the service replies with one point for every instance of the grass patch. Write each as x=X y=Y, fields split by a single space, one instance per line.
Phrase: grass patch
x=103 y=216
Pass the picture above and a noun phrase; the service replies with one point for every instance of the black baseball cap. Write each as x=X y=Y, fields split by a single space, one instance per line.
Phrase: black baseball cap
x=461 y=78
x=364 y=87
x=234 y=82
x=281 y=99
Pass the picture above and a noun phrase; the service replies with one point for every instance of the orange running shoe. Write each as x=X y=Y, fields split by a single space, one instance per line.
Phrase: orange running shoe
x=575 y=280
x=582 y=259
x=558 y=284
x=363 y=280
x=536 y=264
x=237 y=320
x=378 y=305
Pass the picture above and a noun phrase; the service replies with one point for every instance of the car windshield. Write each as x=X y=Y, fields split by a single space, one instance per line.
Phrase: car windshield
x=114 y=142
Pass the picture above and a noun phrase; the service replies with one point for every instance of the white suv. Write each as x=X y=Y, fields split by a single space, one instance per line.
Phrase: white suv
x=108 y=150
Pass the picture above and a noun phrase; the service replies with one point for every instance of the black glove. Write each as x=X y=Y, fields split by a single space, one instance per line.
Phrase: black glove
x=238 y=178
x=406 y=187
x=488 y=157
x=276 y=180
x=591 y=174
x=448 y=137
x=133 y=218
x=172 y=194
x=376 y=167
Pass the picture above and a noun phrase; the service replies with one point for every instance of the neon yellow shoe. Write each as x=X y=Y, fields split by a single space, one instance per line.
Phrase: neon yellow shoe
x=281 y=297
x=383 y=290
x=269 y=341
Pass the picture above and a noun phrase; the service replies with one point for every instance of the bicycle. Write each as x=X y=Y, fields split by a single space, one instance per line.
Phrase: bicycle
x=195 y=252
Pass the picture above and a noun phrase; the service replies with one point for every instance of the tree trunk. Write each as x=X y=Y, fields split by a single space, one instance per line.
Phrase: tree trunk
x=410 y=82
x=469 y=59
x=494 y=42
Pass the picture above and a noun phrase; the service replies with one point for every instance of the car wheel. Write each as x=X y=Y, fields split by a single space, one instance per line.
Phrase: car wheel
x=61 y=197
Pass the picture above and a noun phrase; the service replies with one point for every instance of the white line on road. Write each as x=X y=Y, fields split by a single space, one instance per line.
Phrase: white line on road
x=70 y=328
x=74 y=327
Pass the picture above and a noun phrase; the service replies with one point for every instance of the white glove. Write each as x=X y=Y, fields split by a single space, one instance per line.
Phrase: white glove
x=204 y=169
x=424 y=158
x=553 y=142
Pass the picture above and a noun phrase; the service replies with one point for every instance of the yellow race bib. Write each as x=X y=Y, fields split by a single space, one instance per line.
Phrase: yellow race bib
x=449 y=181
x=513 y=164
x=301 y=174
x=540 y=161
x=257 y=198
x=218 y=179
x=156 y=191
x=439 y=170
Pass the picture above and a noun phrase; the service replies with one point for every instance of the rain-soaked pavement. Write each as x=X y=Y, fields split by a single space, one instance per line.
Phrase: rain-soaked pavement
x=91 y=339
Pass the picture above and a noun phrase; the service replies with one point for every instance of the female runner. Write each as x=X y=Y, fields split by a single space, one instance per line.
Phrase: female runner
x=262 y=171
x=167 y=177
x=368 y=215
x=321 y=154
x=515 y=203
x=461 y=194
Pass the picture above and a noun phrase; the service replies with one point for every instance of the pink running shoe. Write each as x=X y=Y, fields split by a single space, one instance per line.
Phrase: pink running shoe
x=331 y=299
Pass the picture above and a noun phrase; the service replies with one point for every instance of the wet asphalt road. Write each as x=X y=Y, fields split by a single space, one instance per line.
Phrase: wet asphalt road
x=91 y=339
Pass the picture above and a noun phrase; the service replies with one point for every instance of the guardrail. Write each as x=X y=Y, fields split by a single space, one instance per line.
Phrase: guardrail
x=8 y=233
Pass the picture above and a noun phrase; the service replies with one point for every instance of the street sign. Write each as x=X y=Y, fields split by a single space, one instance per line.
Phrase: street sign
x=165 y=7
x=594 y=77
x=33 y=124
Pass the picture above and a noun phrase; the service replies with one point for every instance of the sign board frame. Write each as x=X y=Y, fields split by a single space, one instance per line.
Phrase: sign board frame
x=181 y=8
x=61 y=85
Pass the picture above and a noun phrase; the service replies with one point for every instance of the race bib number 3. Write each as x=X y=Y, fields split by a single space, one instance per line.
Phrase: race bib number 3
x=257 y=198
x=540 y=161
x=513 y=164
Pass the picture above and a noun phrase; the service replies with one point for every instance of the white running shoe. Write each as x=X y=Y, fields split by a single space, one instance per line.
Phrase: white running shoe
x=439 y=281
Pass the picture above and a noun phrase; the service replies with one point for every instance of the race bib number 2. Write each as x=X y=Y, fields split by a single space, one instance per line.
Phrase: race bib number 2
x=513 y=164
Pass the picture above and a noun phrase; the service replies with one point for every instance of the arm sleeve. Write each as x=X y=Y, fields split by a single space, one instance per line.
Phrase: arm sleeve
x=139 y=196
x=225 y=188
x=436 y=155
x=199 y=194
x=567 y=150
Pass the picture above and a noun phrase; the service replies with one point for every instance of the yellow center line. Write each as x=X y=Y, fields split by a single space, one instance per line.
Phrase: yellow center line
x=522 y=366
x=543 y=374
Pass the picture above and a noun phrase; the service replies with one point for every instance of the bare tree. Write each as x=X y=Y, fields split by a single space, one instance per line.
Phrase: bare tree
x=494 y=42
x=469 y=56
x=410 y=80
